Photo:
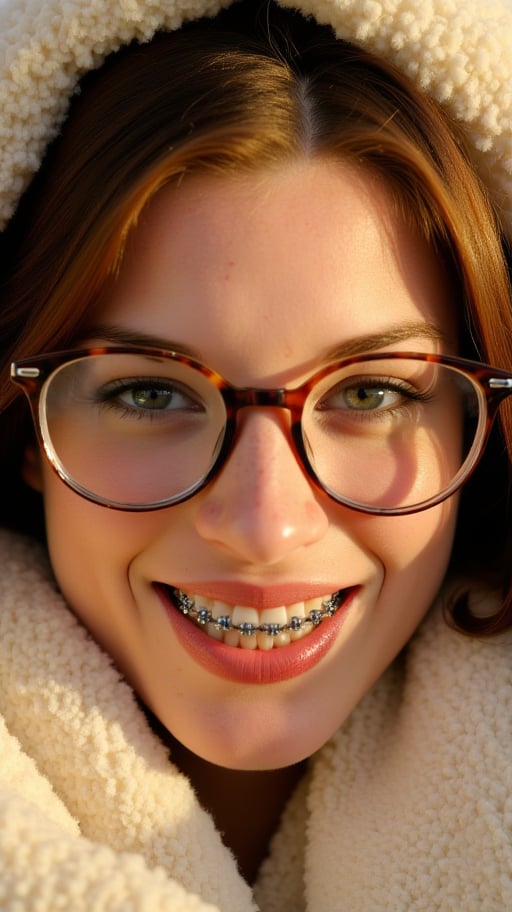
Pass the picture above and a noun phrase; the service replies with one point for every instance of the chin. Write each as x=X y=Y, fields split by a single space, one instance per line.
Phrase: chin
x=257 y=745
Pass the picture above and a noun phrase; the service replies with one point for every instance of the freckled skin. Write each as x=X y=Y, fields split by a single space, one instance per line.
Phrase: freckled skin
x=229 y=267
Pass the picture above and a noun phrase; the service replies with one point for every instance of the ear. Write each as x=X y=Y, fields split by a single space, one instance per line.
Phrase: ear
x=31 y=470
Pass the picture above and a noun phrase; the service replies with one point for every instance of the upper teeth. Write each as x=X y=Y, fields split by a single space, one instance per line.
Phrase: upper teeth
x=273 y=622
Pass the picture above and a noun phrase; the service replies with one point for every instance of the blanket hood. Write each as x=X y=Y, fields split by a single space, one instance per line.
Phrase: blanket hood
x=459 y=51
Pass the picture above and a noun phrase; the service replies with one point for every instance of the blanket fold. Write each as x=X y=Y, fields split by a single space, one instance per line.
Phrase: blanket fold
x=62 y=698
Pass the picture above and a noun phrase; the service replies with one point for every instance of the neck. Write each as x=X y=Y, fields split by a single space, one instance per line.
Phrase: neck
x=246 y=805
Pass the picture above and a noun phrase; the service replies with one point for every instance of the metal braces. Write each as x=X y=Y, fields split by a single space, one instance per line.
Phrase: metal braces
x=203 y=616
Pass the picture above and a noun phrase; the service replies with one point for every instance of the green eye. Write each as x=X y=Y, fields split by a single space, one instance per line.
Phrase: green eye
x=145 y=395
x=367 y=398
x=364 y=396
x=152 y=398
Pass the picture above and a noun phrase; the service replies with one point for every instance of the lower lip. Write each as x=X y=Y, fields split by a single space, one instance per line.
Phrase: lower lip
x=256 y=666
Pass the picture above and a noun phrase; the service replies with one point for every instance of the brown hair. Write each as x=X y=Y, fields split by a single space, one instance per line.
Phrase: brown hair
x=251 y=89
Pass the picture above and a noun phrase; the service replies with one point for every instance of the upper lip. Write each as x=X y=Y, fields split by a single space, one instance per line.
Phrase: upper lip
x=256 y=596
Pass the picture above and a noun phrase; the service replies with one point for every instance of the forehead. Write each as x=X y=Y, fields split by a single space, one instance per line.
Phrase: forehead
x=270 y=271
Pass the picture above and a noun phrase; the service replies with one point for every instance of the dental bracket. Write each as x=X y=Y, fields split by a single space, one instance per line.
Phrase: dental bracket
x=203 y=616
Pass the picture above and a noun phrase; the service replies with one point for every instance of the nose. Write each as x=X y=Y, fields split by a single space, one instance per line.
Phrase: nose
x=262 y=507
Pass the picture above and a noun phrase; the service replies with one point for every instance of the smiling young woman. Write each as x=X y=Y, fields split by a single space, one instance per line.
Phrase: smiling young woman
x=252 y=297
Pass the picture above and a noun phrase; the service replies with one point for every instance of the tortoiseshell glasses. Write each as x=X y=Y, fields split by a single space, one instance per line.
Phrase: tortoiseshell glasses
x=141 y=428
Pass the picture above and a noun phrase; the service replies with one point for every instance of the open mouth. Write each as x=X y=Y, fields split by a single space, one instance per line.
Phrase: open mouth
x=248 y=628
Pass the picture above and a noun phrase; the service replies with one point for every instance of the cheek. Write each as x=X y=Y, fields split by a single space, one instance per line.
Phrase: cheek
x=83 y=536
x=91 y=550
x=410 y=556
x=414 y=551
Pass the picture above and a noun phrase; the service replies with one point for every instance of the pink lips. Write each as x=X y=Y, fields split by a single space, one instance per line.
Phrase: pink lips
x=256 y=666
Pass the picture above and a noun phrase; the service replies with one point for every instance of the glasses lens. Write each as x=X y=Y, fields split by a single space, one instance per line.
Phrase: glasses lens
x=393 y=433
x=132 y=429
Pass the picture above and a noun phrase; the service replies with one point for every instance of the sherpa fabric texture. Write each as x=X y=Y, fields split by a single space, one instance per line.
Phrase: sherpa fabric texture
x=460 y=51
x=408 y=808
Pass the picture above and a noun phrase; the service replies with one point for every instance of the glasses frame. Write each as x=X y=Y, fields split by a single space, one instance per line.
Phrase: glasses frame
x=493 y=386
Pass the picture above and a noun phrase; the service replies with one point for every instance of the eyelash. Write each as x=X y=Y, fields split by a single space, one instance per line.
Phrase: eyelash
x=388 y=384
x=109 y=396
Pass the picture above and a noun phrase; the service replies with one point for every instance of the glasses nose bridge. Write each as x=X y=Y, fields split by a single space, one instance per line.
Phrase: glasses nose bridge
x=259 y=398
x=291 y=400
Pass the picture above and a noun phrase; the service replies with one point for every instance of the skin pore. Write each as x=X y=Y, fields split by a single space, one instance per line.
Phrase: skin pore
x=261 y=277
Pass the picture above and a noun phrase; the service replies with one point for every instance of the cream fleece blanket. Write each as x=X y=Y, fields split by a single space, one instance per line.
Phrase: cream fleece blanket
x=408 y=808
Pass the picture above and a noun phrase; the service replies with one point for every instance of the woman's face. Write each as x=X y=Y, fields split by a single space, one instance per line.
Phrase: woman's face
x=262 y=277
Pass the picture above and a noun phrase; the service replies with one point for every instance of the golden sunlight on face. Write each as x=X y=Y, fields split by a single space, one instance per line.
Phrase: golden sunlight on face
x=262 y=278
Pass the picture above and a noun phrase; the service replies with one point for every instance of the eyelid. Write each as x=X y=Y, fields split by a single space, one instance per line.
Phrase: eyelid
x=168 y=384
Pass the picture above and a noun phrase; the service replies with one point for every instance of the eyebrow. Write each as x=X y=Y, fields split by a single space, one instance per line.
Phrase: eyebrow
x=392 y=335
x=119 y=335
x=358 y=345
